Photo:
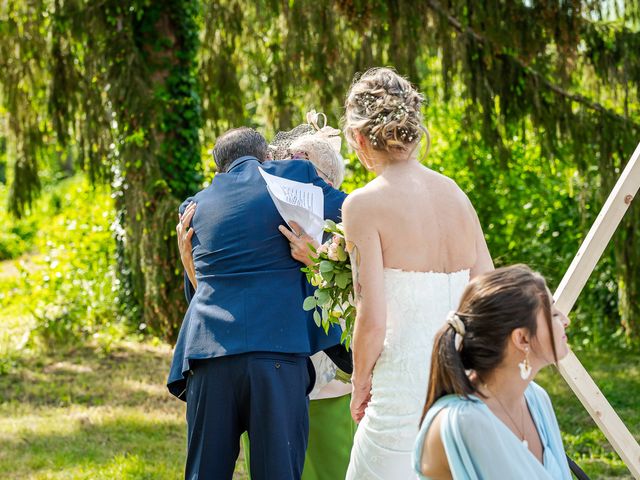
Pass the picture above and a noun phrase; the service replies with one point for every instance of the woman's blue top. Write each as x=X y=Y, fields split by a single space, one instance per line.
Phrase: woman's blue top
x=479 y=445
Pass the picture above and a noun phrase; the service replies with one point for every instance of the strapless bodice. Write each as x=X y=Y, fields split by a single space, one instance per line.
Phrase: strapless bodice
x=417 y=304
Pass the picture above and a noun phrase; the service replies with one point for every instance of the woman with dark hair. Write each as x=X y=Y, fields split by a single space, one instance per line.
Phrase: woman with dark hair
x=484 y=418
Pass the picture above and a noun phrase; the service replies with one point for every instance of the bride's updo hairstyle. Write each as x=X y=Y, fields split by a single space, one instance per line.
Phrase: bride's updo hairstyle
x=385 y=108
x=474 y=338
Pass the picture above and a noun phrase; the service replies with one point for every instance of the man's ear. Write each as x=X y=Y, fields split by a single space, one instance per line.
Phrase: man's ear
x=521 y=339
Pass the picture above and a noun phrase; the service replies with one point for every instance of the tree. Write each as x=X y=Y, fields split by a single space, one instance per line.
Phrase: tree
x=564 y=72
x=113 y=83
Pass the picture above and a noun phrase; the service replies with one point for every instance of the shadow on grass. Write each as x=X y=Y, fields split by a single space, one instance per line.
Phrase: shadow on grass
x=130 y=375
x=81 y=414
x=149 y=448
x=124 y=424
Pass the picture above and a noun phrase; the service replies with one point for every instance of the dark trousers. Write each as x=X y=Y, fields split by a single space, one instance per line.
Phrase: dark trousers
x=264 y=394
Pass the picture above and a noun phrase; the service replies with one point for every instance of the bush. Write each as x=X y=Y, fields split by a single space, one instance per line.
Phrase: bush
x=17 y=235
x=69 y=286
x=11 y=245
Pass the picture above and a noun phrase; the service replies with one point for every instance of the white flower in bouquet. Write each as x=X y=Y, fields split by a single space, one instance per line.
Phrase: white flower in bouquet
x=333 y=301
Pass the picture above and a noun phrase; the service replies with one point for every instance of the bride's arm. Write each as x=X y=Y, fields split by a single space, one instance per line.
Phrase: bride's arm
x=363 y=243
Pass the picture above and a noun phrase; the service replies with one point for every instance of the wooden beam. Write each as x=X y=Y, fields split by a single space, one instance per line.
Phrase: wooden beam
x=602 y=412
x=566 y=295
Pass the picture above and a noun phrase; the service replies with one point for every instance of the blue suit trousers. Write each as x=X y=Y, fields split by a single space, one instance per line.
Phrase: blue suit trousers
x=263 y=393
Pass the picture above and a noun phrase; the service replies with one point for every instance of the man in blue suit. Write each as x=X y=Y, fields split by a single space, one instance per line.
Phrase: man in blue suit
x=241 y=360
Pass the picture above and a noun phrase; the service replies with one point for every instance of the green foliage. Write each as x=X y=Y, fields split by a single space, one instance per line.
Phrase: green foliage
x=110 y=88
x=16 y=236
x=183 y=117
x=555 y=79
x=533 y=210
x=544 y=96
x=15 y=240
x=332 y=301
x=69 y=284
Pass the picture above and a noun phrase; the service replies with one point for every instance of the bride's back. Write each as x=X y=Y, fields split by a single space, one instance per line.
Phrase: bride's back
x=425 y=222
x=410 y=217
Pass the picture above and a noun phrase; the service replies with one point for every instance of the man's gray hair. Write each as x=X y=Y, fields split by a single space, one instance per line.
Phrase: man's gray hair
x=236 y=143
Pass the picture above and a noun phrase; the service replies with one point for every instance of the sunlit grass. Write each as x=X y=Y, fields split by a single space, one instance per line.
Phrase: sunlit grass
x=84 y=414
x=92 y=442
x=617 y=374
x=95 y=413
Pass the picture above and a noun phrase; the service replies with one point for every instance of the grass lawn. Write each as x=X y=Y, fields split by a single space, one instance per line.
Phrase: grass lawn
x=82 y=414
x=617 y=373
x=96 y=413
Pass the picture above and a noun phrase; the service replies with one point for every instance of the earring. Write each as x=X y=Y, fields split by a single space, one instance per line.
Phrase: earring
x=525 y=366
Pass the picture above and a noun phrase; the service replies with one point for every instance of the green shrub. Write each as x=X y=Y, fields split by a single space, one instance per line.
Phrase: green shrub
x=69 y=285
x=11 y=245
x=16 y=236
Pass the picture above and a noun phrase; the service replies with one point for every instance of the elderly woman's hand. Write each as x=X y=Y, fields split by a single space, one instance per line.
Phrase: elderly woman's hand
x=299 y=242
x=184 y=242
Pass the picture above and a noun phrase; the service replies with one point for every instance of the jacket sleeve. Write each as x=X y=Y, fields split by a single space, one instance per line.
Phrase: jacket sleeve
x=183 y=206
x=333 y=198
x=189 y=291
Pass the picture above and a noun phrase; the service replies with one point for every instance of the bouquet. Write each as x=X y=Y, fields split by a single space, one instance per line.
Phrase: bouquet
x=333 y=300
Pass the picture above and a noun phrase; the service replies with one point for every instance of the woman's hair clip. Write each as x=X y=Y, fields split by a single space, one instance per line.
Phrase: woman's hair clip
x=457 y=324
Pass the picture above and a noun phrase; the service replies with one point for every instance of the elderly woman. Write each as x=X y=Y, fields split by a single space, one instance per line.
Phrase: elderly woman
x=331 y=428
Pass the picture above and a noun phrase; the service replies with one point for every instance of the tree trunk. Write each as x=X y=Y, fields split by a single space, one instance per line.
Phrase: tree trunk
x=159 y=159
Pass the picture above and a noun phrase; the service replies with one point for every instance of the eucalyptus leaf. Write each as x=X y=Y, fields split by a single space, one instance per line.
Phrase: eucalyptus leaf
x=309 y=303
x=322 y=297
x=326 y=266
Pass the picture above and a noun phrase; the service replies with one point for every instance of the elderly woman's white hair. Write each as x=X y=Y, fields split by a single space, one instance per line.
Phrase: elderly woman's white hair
x=320 y=151
x=321 y=146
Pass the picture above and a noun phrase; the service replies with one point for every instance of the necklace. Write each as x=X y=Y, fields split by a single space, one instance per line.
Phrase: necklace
x=521 y=432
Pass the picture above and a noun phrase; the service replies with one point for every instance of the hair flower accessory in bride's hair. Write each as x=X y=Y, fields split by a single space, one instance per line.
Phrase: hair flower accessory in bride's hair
x=458 y=325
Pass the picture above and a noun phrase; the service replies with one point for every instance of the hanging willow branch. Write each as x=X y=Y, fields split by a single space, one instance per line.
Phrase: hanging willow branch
x=99 y=80
x=541 y=79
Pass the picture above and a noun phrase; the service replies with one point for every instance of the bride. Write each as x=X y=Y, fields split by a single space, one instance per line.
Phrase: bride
x=415 y=241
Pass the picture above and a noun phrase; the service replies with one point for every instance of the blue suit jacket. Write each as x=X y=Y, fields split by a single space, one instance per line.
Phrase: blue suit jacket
x=250 y=291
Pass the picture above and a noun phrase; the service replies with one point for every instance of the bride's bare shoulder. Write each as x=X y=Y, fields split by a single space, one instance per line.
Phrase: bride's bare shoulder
x=439 y=178
x=364 y=197
x=445 y=184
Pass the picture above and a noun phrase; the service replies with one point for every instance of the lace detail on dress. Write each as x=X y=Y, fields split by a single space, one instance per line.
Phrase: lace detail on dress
x=417 y=306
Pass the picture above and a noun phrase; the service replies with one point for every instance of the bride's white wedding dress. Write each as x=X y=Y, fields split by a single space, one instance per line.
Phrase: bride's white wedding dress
x=417 y=306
